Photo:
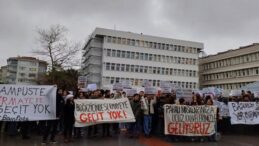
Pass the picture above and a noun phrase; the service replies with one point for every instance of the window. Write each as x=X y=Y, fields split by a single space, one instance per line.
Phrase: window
x=108 y=52
x=117 y=67
x=113 y=66
x=141 y=56
x=136 y=68
x=122 y=67
x=127 y=67
x=128 y=54
x=131 y=68
x=22 y=68
x=154 y=70
x=132 y=42
x=113 y=39
x=158 y=70
x=108 y=65
x=150 y=44
x=132 y=55
x=123 y=41
x=108 y=39
x=137 y=55
x=145 y=69
x=32 y=69
x=128 y=41
x=163 y=71
x=118 y=53
x=22 y=74
x=146 y=56
x=141 y=69
x=32 y=75
x=150 y=57
x=123 y=54
x=137 y=43
x=113 y=53
x=119 y=41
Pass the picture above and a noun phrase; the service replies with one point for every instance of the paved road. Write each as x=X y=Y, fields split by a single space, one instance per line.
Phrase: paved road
x=228 y=140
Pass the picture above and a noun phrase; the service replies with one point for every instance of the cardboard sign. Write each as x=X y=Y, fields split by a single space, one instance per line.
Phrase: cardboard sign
x=27 y=102
x=190 y=120
x=244 y=113
x=117 y=86
x=97 y=111
x=126 y=84
x=130 y=92
x=91 y=87
x=150 y=90
x=235 y=93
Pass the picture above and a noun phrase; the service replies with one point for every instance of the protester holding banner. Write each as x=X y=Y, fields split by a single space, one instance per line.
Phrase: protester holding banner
x=106 y=126
x=78 y=131
x=52 y=125
x=135 y=128
x=148 y=114
x=69 y=118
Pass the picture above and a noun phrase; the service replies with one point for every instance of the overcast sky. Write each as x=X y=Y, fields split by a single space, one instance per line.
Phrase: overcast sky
x=220 y=24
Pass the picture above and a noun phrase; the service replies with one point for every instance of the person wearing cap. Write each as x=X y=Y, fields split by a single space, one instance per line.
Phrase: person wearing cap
x=69 y=119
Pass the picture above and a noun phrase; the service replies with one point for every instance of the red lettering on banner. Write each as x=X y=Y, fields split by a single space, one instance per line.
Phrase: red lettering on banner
x=91 y=117
x=117 y=115
x=189 y=128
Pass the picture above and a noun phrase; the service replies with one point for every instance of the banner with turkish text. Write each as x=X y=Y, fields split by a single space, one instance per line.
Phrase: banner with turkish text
x=97 y=111
x=27 y=102
x=190 y=120
x=244 y=113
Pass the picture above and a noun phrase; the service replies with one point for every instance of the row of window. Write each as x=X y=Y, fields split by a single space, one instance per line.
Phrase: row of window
x=31 y=75
x=153 y=45
x=155 y=83
x=149 y=57
x=230 y=86
x=232 y=61
x=149 y=69
x=232 y=74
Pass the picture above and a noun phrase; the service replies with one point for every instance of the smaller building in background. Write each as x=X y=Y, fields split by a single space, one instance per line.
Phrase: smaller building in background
x=3 y=74
x=231 y=69
x=25 y=70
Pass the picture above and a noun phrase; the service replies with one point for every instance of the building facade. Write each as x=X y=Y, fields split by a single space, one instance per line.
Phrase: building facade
x=24 y=70
x=112 y=56
x=3 y=74
x=231 y=69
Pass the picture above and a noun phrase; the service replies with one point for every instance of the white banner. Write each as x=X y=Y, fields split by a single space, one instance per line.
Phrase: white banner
x=190 y=120
x=244 y=113
x=27 y=102
x=97 y=111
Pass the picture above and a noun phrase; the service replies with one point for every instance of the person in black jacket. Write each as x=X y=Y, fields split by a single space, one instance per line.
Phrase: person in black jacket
x=69 y=118
x=51 y=125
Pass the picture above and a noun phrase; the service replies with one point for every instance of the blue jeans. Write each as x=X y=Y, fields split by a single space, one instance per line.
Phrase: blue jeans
x=147 y=123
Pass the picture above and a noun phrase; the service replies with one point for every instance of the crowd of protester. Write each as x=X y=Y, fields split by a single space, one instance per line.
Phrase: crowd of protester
x=149 y=121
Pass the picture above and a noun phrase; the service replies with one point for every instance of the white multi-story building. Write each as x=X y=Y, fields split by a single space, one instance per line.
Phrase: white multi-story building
x=3 y=73
x=231 y=69
x=112 y=56
x=24 y=70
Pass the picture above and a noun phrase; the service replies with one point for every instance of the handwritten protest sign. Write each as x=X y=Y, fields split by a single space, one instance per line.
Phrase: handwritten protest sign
x=244 y=113
x=184 y=93
x=130 y=92
x=117 y=86
x=27 y=102
x=189 y=120
x=96 y=111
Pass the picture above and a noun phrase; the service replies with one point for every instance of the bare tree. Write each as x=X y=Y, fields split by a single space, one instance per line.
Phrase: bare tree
x=54 y=44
